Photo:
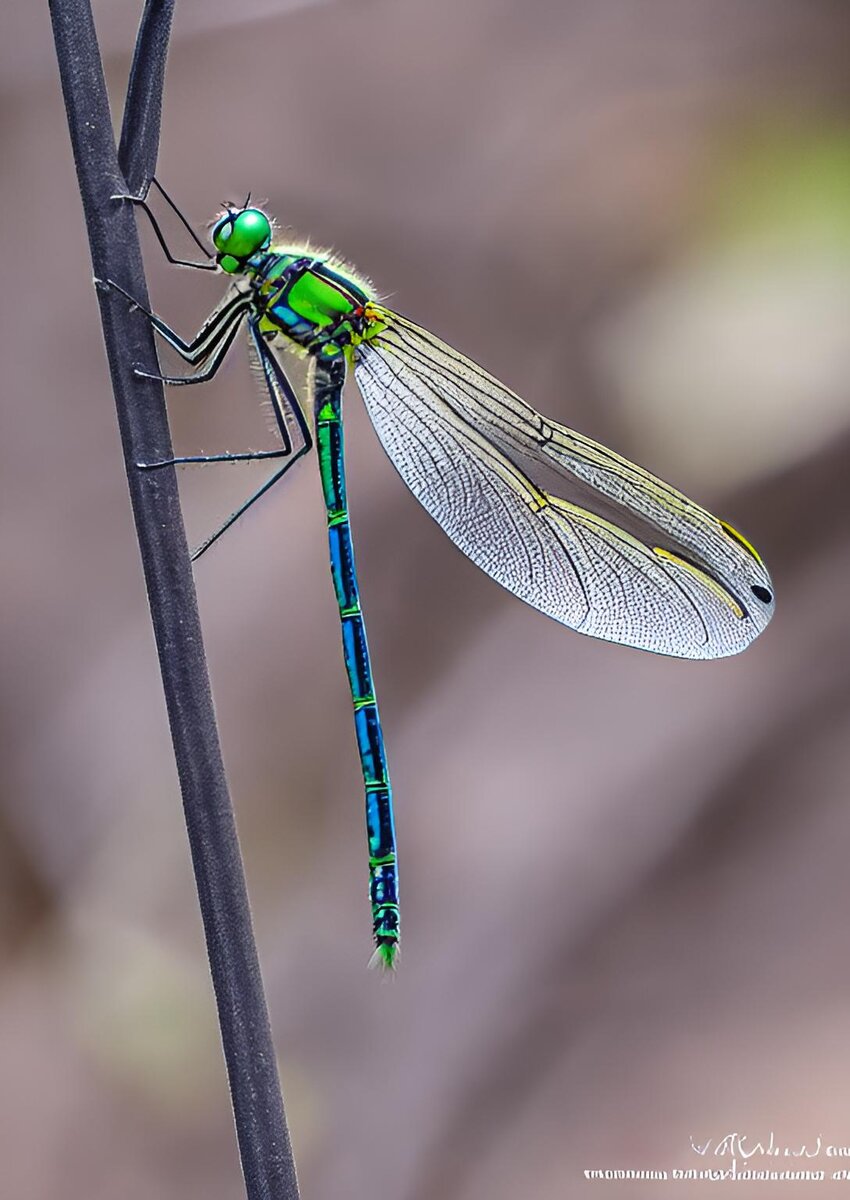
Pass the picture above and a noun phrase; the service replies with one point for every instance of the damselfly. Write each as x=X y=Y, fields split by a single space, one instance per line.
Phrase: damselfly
x=572 y=528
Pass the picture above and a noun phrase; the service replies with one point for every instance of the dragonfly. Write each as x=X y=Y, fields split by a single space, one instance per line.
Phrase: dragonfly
x=567 y=525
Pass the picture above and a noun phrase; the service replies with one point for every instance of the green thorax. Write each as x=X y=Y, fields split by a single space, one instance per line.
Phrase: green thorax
x=311 y=299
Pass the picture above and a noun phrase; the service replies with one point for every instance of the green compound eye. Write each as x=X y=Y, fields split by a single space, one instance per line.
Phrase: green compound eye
x=238 y=235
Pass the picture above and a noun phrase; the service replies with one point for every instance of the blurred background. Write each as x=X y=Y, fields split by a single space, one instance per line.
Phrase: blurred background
x=624 y=878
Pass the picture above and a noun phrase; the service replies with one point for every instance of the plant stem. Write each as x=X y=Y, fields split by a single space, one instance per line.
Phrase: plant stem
x=264 y=1147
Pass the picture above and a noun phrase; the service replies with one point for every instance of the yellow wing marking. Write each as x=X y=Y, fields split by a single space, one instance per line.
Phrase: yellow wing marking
x=706 y=580
x=741 y=540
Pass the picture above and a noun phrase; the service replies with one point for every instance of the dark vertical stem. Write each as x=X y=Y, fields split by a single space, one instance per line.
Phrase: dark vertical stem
x=137 y=150
x=264 y=1147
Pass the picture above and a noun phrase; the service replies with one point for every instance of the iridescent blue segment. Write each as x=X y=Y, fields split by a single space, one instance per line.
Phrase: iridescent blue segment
x=290 y=321
x=357 y=658
x=380 y=827
x=342 y=564
x=370 y=743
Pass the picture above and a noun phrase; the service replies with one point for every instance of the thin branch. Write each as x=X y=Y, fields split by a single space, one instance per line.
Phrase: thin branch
x=264 y=1147
x=139 y=145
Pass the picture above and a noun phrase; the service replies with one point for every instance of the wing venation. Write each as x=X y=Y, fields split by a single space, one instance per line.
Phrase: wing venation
x=461 y=441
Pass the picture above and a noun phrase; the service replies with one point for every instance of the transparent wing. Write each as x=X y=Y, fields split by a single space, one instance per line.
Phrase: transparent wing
x=626 y=558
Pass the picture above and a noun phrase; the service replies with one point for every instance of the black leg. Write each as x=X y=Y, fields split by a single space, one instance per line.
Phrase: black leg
x=243 y=508
x=283 y=398
x=212 y=342
x=216 y=354
x=142 y=202
x=285 y=403
x=207 y=336
x=244 y=456
x=181 y=217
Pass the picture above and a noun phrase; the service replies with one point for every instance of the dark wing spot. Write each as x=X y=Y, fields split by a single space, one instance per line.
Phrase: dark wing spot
x=761 y=593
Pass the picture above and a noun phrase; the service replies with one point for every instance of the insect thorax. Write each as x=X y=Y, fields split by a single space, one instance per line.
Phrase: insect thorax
x=310 y=300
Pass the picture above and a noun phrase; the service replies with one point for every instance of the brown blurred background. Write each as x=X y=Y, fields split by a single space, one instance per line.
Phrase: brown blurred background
x=624 y=878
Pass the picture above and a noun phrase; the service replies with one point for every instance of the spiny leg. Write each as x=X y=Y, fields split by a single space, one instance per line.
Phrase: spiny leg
x=283 y=398
x=215 y=356
x=210 y=345
x=243 y=456
x=181 y=217
x=383 y=876
x=252 y=499
x=207 y=336
x=284 y=401
x=142 y=202
x=288 y=400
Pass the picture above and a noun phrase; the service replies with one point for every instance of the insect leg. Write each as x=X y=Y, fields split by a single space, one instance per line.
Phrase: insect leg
x=285 y=404
x=289 y=402
x=252 y=499
x=181 y=216
x=282 y=395
x=212 y=360
x=244 y=456
x=198 y=348
x=142 y=202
